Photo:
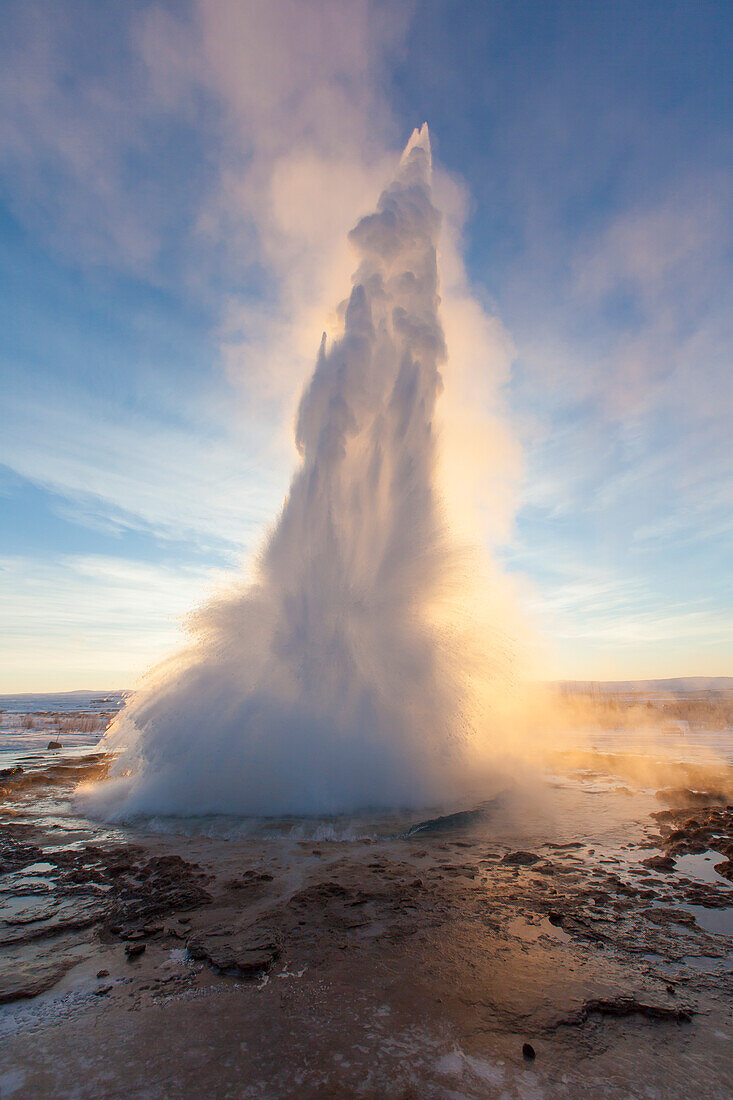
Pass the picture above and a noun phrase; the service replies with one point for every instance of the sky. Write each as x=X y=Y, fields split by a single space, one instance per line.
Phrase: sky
x=177 y=183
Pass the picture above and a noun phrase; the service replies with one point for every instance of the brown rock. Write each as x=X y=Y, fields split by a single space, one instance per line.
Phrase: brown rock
x=521 y=859
x=659 y=863
x=246 y=954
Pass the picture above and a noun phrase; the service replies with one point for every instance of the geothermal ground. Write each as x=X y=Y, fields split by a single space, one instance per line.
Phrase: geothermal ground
x=589 y=917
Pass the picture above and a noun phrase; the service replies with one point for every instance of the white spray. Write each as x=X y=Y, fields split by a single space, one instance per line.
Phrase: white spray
x=339 y=679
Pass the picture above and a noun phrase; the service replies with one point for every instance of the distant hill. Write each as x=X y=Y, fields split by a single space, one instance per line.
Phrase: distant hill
x=675 y=685
x=63 y=701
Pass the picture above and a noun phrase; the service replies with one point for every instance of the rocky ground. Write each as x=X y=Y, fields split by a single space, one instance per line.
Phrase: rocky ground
x=433 y=964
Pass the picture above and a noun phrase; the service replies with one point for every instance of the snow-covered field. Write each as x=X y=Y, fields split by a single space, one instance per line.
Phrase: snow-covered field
x=29 y=722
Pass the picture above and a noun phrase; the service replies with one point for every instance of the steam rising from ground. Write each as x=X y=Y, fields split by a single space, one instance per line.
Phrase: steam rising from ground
x=356 y=669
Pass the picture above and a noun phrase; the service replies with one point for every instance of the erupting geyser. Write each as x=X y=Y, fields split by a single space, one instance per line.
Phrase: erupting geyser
x=342 y=677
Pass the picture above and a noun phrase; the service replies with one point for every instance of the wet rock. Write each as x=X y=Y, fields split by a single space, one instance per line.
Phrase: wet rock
x=664 y=916
x=627 y=1006
x=22 y=980
x=321 y=892
x=521 y=859
x=54 y=745
x=711 y=828
x=687 y=847
x=709 y=897
x=48 y=920
x=464 y=819
x=103 y=973
x=555 y=917
x=659 y=863
x=528 y=1052
x=102 y=990
x=361 y=897
x=249 y=881
x=7 y=773
x=134 y=950
x=247 y=954
x=155 y=887
x=680 y=797
x=459 y=871
x=725 y=869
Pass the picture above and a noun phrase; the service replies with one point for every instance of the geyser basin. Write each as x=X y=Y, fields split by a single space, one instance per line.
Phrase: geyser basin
x=348 y=674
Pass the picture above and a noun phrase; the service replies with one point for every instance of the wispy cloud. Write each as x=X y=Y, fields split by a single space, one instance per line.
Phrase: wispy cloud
x=77 y=111
x=195 y=481
x=90 y=620
x=217 y=152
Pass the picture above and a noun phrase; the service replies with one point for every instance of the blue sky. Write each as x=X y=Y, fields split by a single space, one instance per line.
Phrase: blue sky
x=177 y=183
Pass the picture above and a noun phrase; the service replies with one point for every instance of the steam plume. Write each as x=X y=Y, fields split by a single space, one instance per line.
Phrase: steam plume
x=343 y=676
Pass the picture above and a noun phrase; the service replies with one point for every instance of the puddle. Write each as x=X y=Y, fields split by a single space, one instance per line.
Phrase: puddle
x=529 y=930
x=701 y=866
x=717 y=921
x=19 y=911
x=707 y=965
x=16 y=883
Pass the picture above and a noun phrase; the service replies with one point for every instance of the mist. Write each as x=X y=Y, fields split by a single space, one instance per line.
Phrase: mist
x=357 y=667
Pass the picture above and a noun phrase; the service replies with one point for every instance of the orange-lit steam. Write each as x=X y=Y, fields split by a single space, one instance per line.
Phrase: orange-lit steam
x=370 y=660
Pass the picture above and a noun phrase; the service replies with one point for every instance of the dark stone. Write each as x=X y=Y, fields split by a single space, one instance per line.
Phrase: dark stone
x=521 y=859
x=529 y=1052
x=555 y=917
x=464 y=819
x=687 y=847
x=133 y=950
x=103 y=973
x=245 y=954
x=54 y=745
x=143 y=889
x=102 y=991
x=726 y=868
x=665 y=916
x=659 y=863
